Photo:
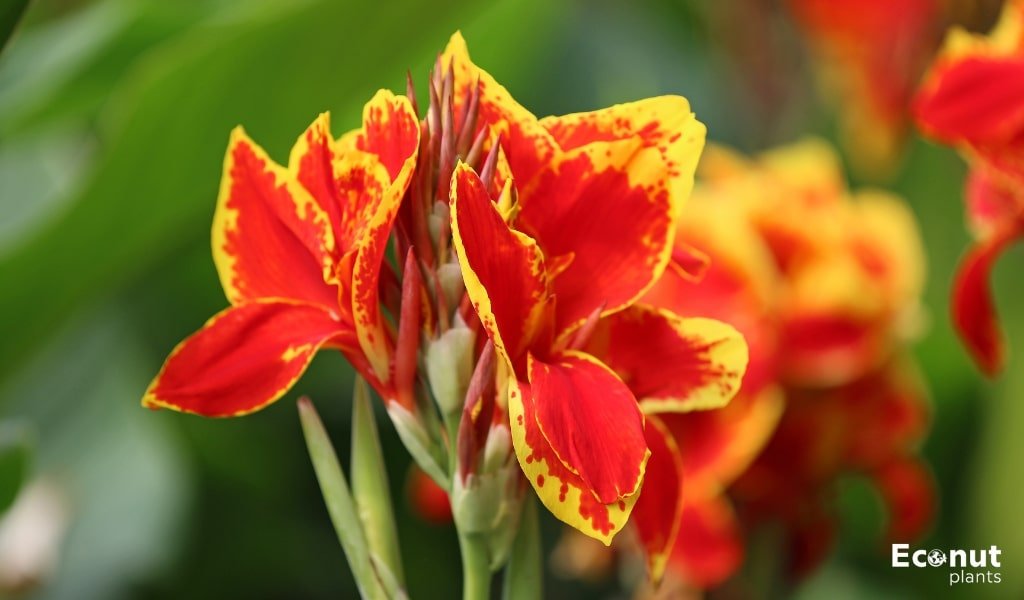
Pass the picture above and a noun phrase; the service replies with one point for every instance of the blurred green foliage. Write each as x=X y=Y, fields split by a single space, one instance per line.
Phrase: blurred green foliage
x=114 y=116
x=15 y=453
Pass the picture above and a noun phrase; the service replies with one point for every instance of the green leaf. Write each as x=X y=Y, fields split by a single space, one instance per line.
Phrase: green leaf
x=15 y=453
x=340 y=504
x=11 y=12
x=524 y=577
x=370 y=485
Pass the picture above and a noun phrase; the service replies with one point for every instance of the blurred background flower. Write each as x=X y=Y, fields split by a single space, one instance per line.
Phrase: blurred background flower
x=114 y=116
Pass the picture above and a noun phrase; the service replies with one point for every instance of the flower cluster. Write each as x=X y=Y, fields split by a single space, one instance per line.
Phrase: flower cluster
x=485 y=271
x=973 y=98
x=825 y=286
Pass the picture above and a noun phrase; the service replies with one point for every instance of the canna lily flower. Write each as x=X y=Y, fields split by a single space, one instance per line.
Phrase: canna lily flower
x=824 y=286
x=299 y=253
x=555 y=250
x=843 y=277
x=973 y=98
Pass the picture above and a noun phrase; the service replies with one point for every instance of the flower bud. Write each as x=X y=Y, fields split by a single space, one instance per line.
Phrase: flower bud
x=449 y=363
x=450 y=277
x=497 y=449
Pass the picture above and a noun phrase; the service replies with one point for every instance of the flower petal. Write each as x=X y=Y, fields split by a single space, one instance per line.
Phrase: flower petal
x=974 y=99
x=670 y=363
x=974 y=311
x=270 y=238
x=560 y=489
x=503 y=269
x=709 y=547
x=664 y=123
x=658 y=510
x=592 y=422
x=391 y=131
x=243 y=359
x=359 y=181
x=607 y=206
x=908 y=489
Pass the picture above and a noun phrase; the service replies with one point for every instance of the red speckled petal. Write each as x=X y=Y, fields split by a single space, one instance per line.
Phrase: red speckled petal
x=243 y=359
x=607 y=211
x=561 y=490
x=359 y=181
x=592 y=422
x=503 y=269
x=664 y=123
x=671 y=363
x=270 y=238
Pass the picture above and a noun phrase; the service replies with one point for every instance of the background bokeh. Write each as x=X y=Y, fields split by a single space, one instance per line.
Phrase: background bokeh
x=114 y=116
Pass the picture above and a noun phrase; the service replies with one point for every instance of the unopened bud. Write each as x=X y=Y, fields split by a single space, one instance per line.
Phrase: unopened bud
x=449 y=275
x=497 y=449
x=449 y=362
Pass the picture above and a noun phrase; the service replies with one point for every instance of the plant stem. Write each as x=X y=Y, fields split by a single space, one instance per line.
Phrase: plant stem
x=476 y=567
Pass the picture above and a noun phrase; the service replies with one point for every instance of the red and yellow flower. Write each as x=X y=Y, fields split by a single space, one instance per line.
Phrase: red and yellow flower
x=556 y=253
x=558 y=226
x=299 y=251
x=973 y=99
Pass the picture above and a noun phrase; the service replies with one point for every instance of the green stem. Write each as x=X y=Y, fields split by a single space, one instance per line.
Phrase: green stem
x=476 y=567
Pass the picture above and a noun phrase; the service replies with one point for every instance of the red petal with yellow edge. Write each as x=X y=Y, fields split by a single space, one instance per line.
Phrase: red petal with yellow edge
x=974 y=99
x=974 y=311
x=561 y=490
x=670 y=363
x=664 y=123
x=609 y=207
x=366 y=178
x=718 y=445
x=503 y=269
x=270 y=238
x=908 y=489
x=312 y=162
x=592 y=422
x=659 y=508
x=390 y=131
x=243 y=359
x=528 y=146
x=709 y=547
